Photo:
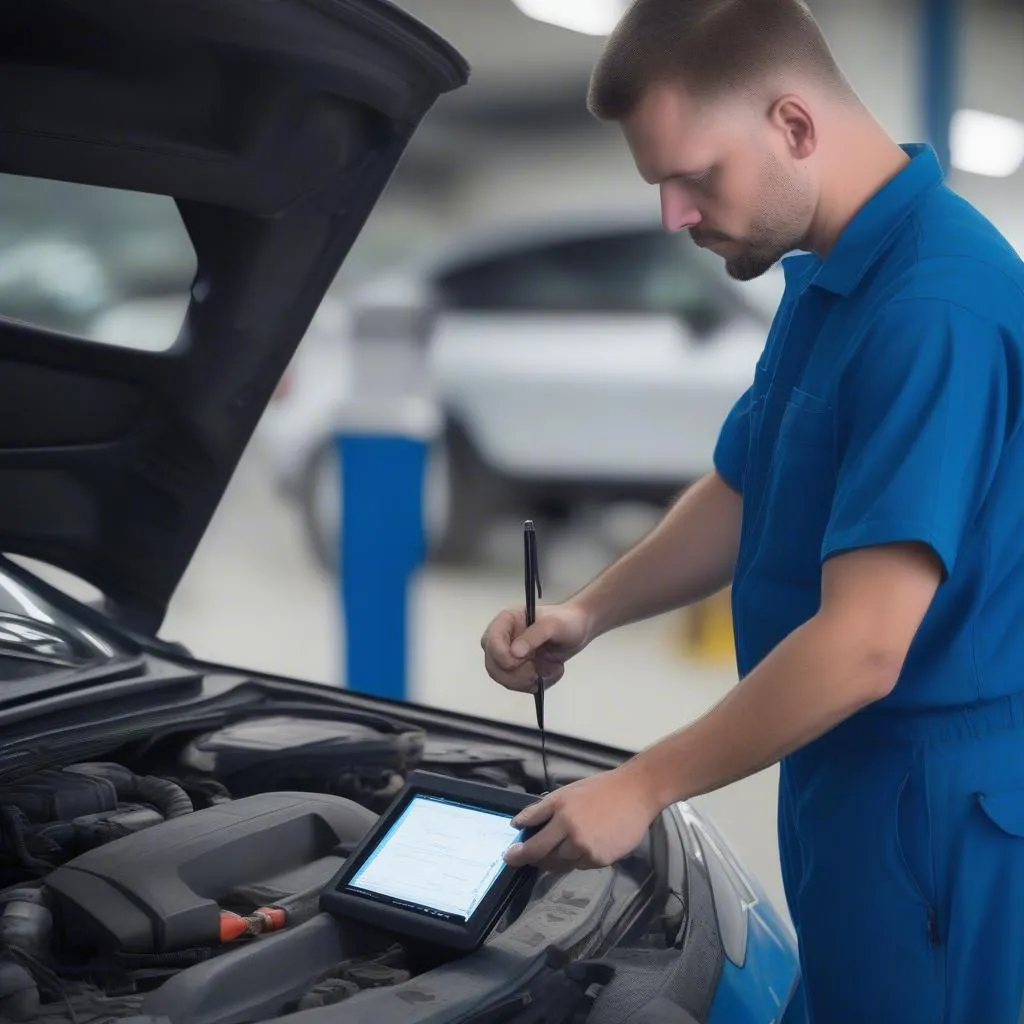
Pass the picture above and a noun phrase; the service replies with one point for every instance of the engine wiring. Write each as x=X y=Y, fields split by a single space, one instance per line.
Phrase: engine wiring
x=71 y=1002
x=52 y=814
x=14 y=842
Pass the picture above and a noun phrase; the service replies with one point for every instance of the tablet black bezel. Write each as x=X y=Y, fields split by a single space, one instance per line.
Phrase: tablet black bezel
x=463 y=936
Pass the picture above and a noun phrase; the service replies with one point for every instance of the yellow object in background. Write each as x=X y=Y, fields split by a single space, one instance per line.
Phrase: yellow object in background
x=707 y=630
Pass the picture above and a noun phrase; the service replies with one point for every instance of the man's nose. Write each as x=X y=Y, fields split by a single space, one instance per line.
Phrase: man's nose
x=677 y=210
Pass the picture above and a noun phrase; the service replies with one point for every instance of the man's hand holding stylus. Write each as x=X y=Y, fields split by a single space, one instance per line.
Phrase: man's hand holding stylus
x=590 y=823
x=515 y=655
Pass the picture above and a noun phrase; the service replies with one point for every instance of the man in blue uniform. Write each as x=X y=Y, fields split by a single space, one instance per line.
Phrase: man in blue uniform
x=867 y=506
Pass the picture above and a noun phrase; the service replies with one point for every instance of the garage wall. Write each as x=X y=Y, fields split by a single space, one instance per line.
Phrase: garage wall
x=877 y=44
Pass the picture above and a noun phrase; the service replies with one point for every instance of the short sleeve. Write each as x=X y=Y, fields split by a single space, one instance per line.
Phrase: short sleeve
x=921 y=411
x=730 y=458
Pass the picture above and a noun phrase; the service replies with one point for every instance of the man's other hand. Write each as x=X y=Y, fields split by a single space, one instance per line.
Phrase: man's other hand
x=589 y=824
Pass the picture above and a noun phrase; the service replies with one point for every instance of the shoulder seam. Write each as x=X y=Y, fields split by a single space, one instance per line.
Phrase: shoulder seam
x=975 y=261
x=958 y=257
x=937 y=299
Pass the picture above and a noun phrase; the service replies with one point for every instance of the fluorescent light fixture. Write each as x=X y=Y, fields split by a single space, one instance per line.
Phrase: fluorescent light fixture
x=591 y=17
x=989 y=144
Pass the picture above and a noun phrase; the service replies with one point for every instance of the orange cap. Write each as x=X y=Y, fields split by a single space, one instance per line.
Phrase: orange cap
x=231 y=926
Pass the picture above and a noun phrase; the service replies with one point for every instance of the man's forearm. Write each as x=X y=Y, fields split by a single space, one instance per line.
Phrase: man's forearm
x=817 y=677
x=690 y=555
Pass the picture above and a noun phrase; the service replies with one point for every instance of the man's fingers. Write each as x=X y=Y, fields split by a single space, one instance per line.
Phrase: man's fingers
x=565 y=857
x=522 y=679
x=515 y=672
x=534 y=815
x=549 y=671
x=537 y=847
x=497 y=641
x=533 y=637
x=540 y=845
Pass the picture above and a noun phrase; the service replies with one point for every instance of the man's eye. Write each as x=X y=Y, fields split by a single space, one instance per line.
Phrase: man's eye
x=701 y=180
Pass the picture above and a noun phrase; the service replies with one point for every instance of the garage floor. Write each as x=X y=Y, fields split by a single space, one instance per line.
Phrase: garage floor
x=254 y=598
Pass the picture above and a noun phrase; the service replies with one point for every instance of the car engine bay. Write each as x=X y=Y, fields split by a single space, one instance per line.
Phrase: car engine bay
x=177 y=881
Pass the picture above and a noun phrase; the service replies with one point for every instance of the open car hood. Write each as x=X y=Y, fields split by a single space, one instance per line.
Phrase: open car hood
x=274 y=125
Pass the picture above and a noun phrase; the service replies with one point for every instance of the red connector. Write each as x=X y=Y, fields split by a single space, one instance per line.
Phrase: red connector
x=259 y=922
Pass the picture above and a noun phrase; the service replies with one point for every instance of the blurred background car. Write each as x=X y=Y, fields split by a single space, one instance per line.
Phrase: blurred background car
x=67 y=264
x=530 y=343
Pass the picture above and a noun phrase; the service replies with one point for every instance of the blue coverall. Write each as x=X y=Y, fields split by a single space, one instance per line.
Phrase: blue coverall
x=888 y=406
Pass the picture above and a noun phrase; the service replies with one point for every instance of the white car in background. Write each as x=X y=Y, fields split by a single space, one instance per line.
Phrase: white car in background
x=584 y=361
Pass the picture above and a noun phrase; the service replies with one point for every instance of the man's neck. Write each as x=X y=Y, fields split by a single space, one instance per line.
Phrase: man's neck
x=869 y=160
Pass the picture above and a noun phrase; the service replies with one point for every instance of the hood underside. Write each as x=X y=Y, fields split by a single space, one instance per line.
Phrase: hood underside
x=274 y=125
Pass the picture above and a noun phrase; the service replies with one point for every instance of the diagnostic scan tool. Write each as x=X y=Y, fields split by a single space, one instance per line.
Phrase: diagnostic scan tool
x=433 y=867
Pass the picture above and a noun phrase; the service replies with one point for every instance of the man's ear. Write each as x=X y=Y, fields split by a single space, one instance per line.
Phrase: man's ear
x=792 y=116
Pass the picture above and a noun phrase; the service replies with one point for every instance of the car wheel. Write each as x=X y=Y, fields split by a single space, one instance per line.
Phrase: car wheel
x=470 y=489
x=452 y=509
x=321 y=504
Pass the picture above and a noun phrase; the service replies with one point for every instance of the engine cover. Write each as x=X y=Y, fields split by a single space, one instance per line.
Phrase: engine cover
x=364 y=760
x=161 y=890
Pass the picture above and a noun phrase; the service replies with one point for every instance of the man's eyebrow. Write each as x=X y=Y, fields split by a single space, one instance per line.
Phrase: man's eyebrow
x=693 y=176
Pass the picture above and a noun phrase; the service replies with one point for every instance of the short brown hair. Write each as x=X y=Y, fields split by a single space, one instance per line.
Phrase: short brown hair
x=709 y=46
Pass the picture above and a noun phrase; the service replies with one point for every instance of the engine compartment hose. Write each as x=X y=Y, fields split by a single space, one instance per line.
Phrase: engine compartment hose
x=167 y=797
x=30 y=892
x=261 y=921
x=27 y=926
x=19 y=994
x=174 y=959
x=12 y=833
x=301 y=907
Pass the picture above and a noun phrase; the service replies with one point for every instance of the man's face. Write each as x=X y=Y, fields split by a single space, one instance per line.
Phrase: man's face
x=723 y=174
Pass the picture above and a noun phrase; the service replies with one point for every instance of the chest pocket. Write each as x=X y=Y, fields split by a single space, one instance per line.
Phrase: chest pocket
x=796 y=498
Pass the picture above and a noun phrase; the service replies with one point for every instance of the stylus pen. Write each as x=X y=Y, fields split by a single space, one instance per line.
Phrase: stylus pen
x=533 y=591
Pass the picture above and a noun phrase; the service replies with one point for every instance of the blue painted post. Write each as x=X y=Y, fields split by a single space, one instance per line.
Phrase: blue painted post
x=939 y=24
x=381 y=546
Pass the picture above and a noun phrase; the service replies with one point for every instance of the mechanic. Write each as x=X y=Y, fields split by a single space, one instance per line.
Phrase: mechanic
x=867 y=506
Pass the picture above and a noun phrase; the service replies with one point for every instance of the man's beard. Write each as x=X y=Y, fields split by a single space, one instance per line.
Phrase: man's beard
x=777 y=227
x=753 y=263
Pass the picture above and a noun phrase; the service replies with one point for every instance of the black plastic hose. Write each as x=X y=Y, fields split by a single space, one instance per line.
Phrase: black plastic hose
x=26 y=926
x=19 y=994
x=175 y=959
x=12 y=827
x=28 y=892
x=167 y=797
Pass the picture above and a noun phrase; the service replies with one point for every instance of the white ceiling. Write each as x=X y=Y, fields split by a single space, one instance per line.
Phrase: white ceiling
x=512 y=56
x=518 y=61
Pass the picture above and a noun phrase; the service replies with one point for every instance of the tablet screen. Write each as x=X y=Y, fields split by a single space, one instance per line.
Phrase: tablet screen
x=440 y=856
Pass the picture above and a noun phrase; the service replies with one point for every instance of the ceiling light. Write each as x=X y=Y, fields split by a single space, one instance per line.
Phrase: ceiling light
x=591 y=17
x=982 y=143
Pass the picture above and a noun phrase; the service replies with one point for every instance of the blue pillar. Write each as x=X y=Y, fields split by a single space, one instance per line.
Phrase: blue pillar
x=939 y=72
x=382 y=544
